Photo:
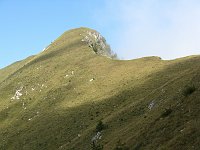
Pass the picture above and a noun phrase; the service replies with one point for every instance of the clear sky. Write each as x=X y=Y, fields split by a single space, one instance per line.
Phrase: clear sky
x=133 y=28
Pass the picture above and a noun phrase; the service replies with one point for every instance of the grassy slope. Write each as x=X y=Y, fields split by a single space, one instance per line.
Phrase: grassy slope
x=60 y=108
x=5 y=72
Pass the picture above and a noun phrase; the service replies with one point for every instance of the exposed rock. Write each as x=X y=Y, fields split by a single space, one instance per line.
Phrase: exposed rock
x=96 y=41
x=151 y=105
x=18 y=94
x=96 y=137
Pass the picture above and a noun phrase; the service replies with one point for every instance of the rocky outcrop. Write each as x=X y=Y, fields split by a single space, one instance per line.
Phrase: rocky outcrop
x=98 y=43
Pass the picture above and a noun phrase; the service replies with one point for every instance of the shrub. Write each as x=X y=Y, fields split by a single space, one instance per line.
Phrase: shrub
x=121 y=146
x=97 y=147
x=100 y=126
x=166 y=113
x=189 y=90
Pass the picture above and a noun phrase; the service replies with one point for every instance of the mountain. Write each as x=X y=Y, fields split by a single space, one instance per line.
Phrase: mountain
x=75 y=96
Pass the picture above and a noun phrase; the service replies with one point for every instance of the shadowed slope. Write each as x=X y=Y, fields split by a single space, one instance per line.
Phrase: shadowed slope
x=68 y=88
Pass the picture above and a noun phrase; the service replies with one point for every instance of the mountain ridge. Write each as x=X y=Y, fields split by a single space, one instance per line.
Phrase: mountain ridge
x=56 y=99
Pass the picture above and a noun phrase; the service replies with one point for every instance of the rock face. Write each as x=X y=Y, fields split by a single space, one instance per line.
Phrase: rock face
x=90 y=37
x=18 y=94
x=96 y=41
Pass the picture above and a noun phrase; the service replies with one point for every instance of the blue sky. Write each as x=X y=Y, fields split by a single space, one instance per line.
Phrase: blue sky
x=133 y=28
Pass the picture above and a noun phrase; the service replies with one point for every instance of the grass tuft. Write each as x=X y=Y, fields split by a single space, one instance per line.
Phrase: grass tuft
x=189 y=90
x=166 y=113
x=100 y=126
x=121 y=146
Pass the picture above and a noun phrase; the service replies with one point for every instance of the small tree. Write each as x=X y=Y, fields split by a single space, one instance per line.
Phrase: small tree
x=97 y=147
x=166 y=113
x=189 y=90
x=121 y=146
x=100 y=126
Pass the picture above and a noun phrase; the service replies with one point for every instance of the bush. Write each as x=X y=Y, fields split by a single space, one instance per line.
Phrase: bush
x=100 y=126
x=189 y=90
x=166 y=113
x=121 y=146
x=97 y=147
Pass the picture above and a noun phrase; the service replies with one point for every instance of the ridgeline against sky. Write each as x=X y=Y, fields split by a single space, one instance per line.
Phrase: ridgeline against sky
x=168 y=29
x=73 y=95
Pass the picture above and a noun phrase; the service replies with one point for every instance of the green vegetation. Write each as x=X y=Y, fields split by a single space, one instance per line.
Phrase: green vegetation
x=4 y=73
x=97 y=147
x=100 y=126
x=121 y=146
x=189 y=90
x=68 y=88
x=166 y=113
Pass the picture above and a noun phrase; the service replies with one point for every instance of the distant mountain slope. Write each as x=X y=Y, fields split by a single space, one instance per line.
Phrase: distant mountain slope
x=5 y=72
x=70 y=96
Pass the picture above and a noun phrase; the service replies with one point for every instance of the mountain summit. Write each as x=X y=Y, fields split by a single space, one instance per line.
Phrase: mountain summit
x=86 y=36
x=70 y=96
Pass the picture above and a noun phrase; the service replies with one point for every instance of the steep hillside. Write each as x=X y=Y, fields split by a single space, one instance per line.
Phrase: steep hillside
x=70 y=96
x=4 y=73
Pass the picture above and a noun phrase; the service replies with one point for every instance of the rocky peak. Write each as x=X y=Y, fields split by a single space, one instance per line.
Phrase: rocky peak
x=98 y=43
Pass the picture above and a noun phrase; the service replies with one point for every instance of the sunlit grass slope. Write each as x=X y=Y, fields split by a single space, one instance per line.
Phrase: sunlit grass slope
x=5 y=72
x=67 y=89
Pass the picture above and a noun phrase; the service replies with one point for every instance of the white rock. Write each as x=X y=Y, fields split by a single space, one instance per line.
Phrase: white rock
x=151 y=105
x=91 y=79
x=66 y=76
x=18 y=94
x=97 y=137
